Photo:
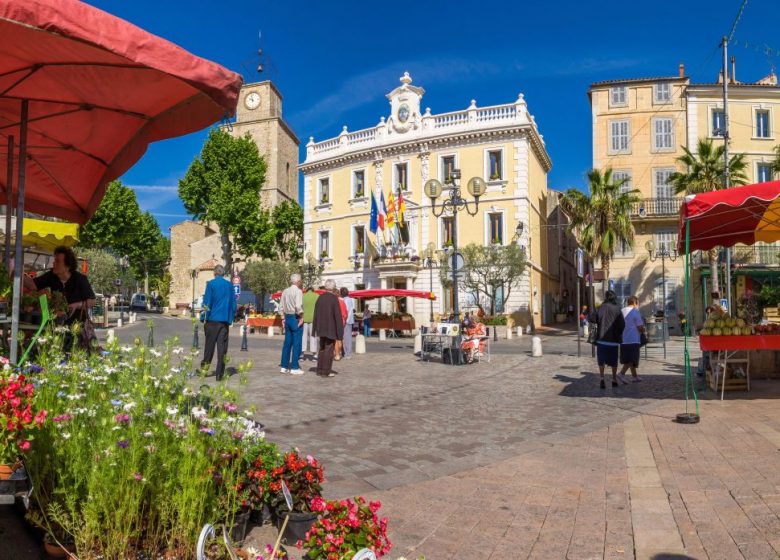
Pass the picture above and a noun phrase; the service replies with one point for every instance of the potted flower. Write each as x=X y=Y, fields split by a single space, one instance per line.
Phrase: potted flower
x=324 y=255
x=495 y=176
x=344 y=528
x=27 y=304
x=258 y=479
x=58 y=305
x=17 y=420
x=303 y=478
x=359 y=192
x=324 y=199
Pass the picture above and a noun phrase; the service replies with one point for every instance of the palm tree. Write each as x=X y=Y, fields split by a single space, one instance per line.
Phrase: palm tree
x=601 y=220
x=705 y=173
x=775 y=166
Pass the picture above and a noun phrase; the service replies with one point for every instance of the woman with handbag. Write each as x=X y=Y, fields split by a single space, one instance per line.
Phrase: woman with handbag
x=608 y=331
x=633 y=335
x=63 y=277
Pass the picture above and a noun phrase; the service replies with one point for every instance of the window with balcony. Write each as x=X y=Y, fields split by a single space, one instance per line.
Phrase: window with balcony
x=623 y=251
x=665 y=240
x=625 y=178
x=447 y=167
x=447 y=224
x=496 y=228
x=402 y=176
x=665 y=202
x=323 y=195
x=670 y=305
x=359 y=184
x=718 y=122
x=763 y=172
x=495 y=165
x=619 y=137
x=618 y=96
x=324 y=244
x=662 y=93
x=663 y=135
x=762 y=123
x=358 y=240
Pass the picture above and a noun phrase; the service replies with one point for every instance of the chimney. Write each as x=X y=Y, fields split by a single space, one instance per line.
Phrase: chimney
x=733 y=69
x=681 y=70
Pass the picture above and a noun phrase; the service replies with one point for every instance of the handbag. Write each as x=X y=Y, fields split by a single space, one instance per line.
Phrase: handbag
x=87 y=335
x=642 y=339
x=593 y=333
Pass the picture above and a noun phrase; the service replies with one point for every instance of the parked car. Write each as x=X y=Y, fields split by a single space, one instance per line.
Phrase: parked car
x=139 y=302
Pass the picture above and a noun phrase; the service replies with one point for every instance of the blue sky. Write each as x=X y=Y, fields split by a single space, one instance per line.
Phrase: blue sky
x=334 y=61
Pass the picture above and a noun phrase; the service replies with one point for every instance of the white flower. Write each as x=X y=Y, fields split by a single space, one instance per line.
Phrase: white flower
x=155 y=353
x=127 y=348
x=171 y=410
x=65 y=435
x=115 y=428
x=178 y=350
x=188 y=392
x=198 y=412
x=148 y=434
x=129 y=406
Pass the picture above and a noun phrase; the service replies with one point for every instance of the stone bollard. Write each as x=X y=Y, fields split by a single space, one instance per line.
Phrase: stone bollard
x=382 y=334
x=417 y=343
x=270 y=331
x=110 y=336
x=360 y=344
x=119 y=322
x=508 y=333
x=519 y=332
x=536 y=347
x=184 y=313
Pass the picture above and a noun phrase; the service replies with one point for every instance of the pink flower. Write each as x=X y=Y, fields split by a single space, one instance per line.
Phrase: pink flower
x=122 y=418
x=317 y=504
x=137 y=476
x=25 y=445
x=40 y=417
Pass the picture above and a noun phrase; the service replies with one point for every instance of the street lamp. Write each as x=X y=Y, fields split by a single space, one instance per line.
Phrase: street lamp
x=123 y=262
x=429 y=263
x=193 y=275
x=662 y=253
x=453 y=203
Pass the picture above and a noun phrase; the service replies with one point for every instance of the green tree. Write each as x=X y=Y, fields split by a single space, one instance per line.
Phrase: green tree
x=775 y=167
x=490 y=269
x=222 y=186
x=287 y=227
x=266 y=277
x=705 y=172
x=102 y=269
x=601 y=220
x=162 y=286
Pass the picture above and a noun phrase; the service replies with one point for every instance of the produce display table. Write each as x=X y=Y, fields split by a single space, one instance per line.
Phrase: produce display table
x=264 y=322
x=726 y=350
x=394 y=325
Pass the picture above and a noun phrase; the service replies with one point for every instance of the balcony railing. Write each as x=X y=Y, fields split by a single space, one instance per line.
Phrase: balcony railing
x=762 y=255
x=656 y=207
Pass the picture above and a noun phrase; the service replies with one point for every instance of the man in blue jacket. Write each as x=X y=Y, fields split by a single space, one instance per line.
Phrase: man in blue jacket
x=219 y=303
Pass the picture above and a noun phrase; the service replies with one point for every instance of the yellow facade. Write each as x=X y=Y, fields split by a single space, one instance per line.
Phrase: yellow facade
x=425 y=146
x=651 y=153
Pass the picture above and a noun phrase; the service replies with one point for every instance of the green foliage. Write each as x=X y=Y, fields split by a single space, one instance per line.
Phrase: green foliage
x=601 y=220
x=162 y=286
x=266 y=277
x=495 y=320
x=287 y=222
x=769 y=296
x=120 y=227
x=102 y=269
x=489 y=269
x=222 y=186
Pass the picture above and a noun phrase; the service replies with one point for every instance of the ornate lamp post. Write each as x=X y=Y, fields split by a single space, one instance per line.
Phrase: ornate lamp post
x=453 y=203
x=662 y=253
x=429 y=262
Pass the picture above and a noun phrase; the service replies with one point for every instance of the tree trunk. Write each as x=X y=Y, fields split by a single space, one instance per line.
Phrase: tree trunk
x=227 y=253
x=605 y=269
x=714 y=280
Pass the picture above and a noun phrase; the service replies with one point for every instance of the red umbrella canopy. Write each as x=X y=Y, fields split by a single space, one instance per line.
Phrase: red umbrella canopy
x=99 y=91
x=390 y=292
x=730 y=216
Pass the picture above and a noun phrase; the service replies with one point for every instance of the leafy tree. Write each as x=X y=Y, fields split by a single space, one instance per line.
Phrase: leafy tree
x=162 y=286
x=489 y=269
x=310 y=271
x=222 y=186
x=776 y=162
x=704 y=173
x=266 y=277
x=601 y=220
x=102 y=269
x=287 y=227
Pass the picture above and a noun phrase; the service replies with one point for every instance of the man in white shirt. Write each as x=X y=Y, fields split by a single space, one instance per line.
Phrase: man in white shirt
x=631 y=343
x=291 y=308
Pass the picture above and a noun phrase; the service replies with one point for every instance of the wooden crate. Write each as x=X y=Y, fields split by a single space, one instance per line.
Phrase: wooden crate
x=732 y=384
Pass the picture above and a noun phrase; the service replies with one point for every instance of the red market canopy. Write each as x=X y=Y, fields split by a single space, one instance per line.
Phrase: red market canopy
x=278 y=295
x=390 y=292
x=97 y=91
x=730 y=216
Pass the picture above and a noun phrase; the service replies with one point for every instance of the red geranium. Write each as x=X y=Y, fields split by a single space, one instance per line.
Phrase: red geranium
x=17 y=417
x=303 y=477
x=344 y=528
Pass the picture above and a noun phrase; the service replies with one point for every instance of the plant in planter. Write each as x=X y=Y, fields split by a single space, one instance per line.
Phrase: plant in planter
x=324 y=255
x=58 y=305
x=258 y=479
x=345 y=527
x=18 y=419
x=303 y=478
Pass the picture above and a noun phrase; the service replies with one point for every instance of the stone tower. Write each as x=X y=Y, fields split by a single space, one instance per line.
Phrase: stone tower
x=259 y=113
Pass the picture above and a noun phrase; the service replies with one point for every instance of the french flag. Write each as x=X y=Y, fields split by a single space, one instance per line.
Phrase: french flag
x=382 y=211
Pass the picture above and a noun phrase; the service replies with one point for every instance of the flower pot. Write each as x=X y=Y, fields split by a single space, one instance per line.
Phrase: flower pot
x=297 y=527
x=263 y=516
x=238 y=532
x=56 y=551
x=13 y=479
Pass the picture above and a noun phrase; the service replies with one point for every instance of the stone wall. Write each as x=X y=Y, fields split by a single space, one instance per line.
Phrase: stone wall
x=183 y=235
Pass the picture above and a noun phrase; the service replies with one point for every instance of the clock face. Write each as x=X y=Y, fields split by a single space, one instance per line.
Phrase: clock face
x=252 y=101
x=403 y=113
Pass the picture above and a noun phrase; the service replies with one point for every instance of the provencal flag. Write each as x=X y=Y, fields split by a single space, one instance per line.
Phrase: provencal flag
x=401 y=208
x=390 y=211
x=374 y=223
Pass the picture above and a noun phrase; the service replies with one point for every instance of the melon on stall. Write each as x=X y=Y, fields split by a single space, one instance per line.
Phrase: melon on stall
x=740 y=323
x=705 y=332
x=746 y=330
x=717 y=331
x=726 y=331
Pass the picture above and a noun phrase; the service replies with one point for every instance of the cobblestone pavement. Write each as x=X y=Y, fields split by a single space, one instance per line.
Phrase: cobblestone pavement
x=527 y=458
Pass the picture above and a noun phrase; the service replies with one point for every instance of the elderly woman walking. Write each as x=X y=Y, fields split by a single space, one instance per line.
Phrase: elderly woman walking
x=609 y=324
x=632 y=338
x=329 y=326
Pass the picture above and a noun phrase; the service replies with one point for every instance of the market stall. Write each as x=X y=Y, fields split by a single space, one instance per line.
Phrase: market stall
x=740 y=215
x=392 y=323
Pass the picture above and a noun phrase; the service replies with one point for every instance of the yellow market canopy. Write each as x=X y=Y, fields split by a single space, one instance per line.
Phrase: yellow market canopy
x=45 y=235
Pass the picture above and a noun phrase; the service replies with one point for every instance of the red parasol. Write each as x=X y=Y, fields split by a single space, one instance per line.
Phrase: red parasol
x=730 y=216
x=98 y=90
x=391 y=292
x=278 y=295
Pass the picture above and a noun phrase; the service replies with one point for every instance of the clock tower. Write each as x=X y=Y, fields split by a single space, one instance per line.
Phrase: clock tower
x=259 y=113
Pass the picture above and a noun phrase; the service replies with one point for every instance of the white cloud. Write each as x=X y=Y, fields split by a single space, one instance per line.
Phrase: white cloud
x=151 y=197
